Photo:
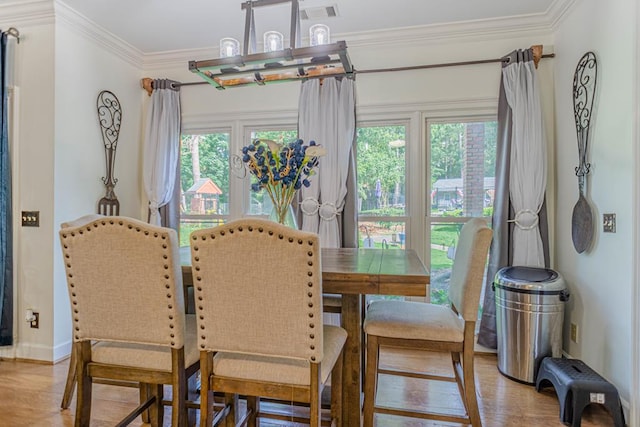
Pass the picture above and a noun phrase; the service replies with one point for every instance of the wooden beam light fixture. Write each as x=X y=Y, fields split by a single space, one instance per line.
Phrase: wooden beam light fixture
x=292 y=63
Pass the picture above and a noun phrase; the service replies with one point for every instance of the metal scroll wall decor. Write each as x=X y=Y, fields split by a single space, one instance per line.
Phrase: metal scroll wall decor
x=584 y=89
x=109 y=116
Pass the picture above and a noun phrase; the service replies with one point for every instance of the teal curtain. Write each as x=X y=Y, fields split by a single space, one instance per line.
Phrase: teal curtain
x=6 y=232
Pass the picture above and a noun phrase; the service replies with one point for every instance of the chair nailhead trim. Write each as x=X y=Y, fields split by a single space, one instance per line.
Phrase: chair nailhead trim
x=271 y=232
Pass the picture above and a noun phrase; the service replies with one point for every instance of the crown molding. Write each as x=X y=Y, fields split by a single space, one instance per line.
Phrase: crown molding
x=176 y=58
x=559 y=10
x=482 y=29
x=94 y=32
x=486 y=29
x=27 y=13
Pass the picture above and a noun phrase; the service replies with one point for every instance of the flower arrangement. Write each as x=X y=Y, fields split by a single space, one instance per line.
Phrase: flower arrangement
x=281 y=169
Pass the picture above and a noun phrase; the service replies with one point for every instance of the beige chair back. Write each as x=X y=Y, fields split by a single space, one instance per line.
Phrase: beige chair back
x=124 y=281
x=258 y=290
x=83 y=220
x=468 y=267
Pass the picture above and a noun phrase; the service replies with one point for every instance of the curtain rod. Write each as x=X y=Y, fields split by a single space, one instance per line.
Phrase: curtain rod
x=12 y=31
x=147 y=82
x=446 y=64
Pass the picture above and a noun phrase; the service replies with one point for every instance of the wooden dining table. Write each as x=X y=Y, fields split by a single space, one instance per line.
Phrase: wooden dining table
x=353 y=273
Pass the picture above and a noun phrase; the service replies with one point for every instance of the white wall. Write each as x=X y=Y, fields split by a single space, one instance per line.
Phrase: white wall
x=600 y=280
x=59 y=159
x=83 y=69
x=33 y=176
x=401 y=88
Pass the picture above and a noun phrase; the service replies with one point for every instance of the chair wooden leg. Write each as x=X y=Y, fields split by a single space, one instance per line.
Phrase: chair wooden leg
x=83 y=403
x=336 y=391
x=371 y=383
x=253 y=405
x=459 y=376
x=145 y=393
x=206 y=394
x=363 y=339
x=156 y=411
x=179 y=390
x=470 y=384
x=314 y=396
x=70 y=385
x=191 y=395
x=231 y=401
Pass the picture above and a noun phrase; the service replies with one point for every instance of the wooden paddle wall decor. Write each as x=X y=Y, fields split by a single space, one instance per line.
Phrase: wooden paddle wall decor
x=110 y=117
x=584 y=89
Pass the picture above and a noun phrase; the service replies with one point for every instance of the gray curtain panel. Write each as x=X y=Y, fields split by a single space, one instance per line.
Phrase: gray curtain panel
x=349 y=218
x=317 y=120
x=170 y=212
x=501 y=252
x=6 y=232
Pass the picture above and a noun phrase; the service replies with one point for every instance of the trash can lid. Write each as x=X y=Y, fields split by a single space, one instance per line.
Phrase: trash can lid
x=530 y=278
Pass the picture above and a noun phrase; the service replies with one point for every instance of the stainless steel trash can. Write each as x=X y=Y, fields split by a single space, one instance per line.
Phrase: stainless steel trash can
x=529 y=319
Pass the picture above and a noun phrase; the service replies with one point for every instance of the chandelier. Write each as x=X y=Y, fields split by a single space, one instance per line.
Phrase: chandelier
x=276 y=63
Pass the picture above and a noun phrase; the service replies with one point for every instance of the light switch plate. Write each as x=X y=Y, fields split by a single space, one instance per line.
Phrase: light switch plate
x=31 y=218
x=609 y=223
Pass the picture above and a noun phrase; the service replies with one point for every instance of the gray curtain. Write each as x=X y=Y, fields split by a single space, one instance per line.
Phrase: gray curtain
x=167 y=111
x=349 y=218
x=327 y=115
x=170 y=212
x=6 y=232
x=501 y=252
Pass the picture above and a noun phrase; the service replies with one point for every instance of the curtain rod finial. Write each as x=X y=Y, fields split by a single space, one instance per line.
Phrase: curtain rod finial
x=537 y=53
x=147 y=84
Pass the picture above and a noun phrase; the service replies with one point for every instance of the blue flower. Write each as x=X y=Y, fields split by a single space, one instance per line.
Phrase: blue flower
x=281 y=169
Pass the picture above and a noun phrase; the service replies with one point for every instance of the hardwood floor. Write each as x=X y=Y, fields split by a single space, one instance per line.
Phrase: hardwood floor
x=30 y=395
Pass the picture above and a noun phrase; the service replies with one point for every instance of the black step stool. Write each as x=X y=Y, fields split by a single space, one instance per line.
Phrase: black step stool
x=577 y=385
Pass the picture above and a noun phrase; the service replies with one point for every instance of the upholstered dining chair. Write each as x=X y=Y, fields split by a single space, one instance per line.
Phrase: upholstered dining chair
x=258 y=289
x=121 y=332
x=431 y=327
x=70 y=384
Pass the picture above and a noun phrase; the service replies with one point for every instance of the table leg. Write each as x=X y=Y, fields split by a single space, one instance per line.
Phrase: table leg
x=351 y=377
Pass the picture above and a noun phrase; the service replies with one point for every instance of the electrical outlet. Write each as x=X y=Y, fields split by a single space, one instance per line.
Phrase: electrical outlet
x=35 y=322
x=574 y=333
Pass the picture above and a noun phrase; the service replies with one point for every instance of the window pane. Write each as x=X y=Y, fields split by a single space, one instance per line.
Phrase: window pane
x=204 y=182
x=463 y=158
x=444 y=239
x=462 y=183
x=381 y=176
x=381 y=170
x=381 y=234
x=260 y=203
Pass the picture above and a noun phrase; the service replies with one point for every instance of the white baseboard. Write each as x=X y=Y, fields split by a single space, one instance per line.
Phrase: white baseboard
x=41 y=353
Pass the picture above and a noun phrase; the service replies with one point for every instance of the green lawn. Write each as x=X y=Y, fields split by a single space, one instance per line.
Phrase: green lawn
x=445 y=235
x=187 y=229
x=439 y=260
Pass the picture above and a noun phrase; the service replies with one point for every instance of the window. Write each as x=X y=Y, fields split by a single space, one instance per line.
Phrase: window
x=204 y=181
x=214 y=186
x=462 y=182
x=382 y=170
